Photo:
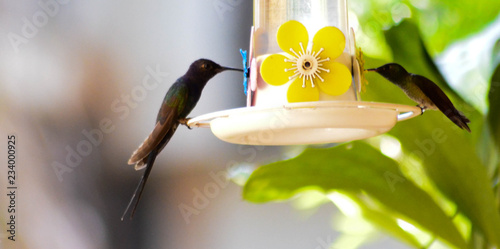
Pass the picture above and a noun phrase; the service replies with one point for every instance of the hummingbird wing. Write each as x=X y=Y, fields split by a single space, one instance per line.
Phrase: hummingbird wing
x=441 y=101
x=146 y=160
x=172 y=107
x=166 y=124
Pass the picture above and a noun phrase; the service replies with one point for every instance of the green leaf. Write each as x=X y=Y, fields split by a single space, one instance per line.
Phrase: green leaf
x=496 y=54
x=494 y=100
x=442 y=21
x=383 y=219
x=352 y=167
x=454 y=167
x=409 y=50
x=448 y=153
x=449 y=156
x=446 y=21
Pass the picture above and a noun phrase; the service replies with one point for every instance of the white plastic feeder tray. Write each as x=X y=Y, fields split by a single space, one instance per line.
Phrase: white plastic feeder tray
x=305 y=123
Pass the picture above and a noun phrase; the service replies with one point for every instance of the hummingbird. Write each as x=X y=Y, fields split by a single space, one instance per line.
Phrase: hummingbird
x=180 y=99
x=423 y=91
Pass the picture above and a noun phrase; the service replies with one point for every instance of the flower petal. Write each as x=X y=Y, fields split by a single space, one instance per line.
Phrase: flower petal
x=337 y=81
x=331 y=39
x=290 y=35
x=273 y=71
x=297 y=93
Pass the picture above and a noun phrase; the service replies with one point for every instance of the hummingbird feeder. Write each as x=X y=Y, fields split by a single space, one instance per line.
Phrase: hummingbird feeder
x=304 y=81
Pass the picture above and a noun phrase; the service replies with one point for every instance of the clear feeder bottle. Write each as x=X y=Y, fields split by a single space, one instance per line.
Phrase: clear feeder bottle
x=314 y=36
x=304 y=81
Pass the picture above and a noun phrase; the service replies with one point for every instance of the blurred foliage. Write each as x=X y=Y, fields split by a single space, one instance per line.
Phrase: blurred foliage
x=442 y=188
x=494 y=99
x=342 y=168
x=442 y=22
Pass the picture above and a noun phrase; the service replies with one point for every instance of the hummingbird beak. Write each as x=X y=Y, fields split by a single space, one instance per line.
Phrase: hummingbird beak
x=230 y=69
x=372 y=70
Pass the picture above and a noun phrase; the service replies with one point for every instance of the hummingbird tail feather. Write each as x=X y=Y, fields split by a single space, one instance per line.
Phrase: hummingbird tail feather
x=459 y=119
x=141 y=164
x=147 y=162
x=466 y=120
x=137 y=155
x=142 y=183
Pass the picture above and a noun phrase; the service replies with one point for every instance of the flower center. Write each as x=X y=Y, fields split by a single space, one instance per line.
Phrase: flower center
x=307 y=65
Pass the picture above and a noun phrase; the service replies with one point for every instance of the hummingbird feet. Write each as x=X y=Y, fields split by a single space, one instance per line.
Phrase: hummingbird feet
x=422 y=109
x=184 y=121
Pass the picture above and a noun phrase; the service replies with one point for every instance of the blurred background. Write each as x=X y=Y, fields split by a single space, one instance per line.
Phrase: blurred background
x=88 y=77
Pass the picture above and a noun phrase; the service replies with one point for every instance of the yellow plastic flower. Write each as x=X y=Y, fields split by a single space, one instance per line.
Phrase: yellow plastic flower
x=308 y=68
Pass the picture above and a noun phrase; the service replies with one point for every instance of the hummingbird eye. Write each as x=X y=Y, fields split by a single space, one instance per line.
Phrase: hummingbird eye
x=205 y=66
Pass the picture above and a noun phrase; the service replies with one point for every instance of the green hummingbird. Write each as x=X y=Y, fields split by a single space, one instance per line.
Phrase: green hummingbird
x=423 y=91
x=180 y=99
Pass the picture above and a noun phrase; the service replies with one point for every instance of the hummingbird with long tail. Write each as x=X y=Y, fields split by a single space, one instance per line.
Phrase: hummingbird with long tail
x=180 y=99
x=423 y=91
